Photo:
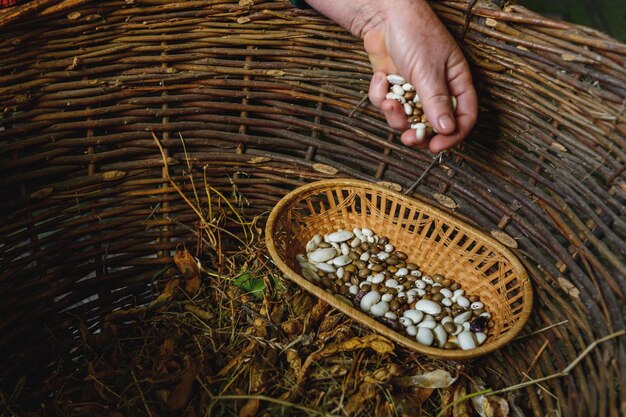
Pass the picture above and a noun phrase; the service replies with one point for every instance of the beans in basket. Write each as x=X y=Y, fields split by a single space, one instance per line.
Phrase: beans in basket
x=367 y=270
x=405 y=93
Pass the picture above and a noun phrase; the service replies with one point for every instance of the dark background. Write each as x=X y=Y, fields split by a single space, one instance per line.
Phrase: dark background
x=609 y=16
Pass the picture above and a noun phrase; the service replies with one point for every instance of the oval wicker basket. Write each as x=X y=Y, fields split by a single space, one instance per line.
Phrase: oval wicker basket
x=436 y=241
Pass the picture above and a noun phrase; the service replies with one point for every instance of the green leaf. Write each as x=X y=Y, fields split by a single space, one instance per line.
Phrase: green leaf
x=250 y=284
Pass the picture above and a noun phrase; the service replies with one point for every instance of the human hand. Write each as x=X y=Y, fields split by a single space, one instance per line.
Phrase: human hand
x=406 y=37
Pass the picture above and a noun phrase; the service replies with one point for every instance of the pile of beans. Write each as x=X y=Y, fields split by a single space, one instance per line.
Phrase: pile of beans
x=405 y=93
x=369 y=272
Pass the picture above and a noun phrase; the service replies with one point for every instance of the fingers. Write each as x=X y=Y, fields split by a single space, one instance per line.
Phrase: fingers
x=394 y=113
x=433 y=92
x=460 y=86
x=378 y=88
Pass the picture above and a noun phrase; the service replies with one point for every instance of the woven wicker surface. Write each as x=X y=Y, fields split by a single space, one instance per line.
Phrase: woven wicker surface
x=264 y=97
x=437 y=242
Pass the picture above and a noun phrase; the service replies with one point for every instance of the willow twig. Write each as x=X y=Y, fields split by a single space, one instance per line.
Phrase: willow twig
x=564 y=372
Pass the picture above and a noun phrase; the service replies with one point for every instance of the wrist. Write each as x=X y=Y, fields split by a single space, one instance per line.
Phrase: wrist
x=358 y=16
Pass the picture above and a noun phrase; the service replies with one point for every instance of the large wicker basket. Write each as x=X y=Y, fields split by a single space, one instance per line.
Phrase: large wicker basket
x=266 y=98
x=438 y=242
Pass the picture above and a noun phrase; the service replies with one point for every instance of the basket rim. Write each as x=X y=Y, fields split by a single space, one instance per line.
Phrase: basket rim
x=352 y=312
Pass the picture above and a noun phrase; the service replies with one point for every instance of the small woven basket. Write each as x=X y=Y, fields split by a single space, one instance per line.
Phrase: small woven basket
x=436 y=241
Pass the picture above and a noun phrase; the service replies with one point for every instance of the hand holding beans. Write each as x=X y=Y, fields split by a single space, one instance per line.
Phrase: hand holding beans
x=406 y=37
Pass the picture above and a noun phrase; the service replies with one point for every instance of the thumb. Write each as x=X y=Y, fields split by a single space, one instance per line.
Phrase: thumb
x=436 y=102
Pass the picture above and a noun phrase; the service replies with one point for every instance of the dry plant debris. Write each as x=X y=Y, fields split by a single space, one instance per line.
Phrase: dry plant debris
x=226 y=335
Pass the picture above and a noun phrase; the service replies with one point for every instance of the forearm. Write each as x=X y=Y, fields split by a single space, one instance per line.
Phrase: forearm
x=361 y=16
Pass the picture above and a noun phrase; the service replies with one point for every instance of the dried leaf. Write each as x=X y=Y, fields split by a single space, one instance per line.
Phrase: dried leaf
x=166 y=352
x=433 y=379
x=203 y=314
x=373 y=341
x=189 y=270
x=569 y=288
x=504 y=238
x=259 y=160
x=275 y=73
x=384 y=374
x=494 y=406
x=294 y=361
x=250 y=408
x=317 y=312
x=390 y=185
x=182 y=392
x=293 y=327
x=325 y=169
x=459 y=409
x=246 y=3
x=445 y=201
x=73 y=15
x=339 y=333
x=243 y=19
x=367 y=391
x=558 y=147
x=186 y=264
x=329 y=323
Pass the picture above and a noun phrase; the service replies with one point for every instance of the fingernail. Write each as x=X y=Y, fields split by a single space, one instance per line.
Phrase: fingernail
x=377 y=78
x=446 y=122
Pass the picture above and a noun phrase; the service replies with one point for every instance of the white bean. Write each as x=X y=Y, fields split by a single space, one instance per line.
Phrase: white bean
x=424 y=336
x=308 y=265
x=379 y=309
x=322 y=255
x=428 y=307
x=480 y=337
x=310 y=275
x=391 y=283
x=387 y=297
x=462 y=301
x=408 y=109
x=440 y=335
x=463 y=317
x=397 y=89
x=369 y=300
x=340 y=236
x=402 y=272
x=396 y=79
x=378 y=278
x=405 y=321
x=342 y=260
x=414 y=315
x=477 y=305
x=328 y=268
x=446 y=292
x=466 y=340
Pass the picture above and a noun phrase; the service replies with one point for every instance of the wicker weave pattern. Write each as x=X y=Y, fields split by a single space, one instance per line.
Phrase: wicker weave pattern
x=431 y=238
x=264 y=97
